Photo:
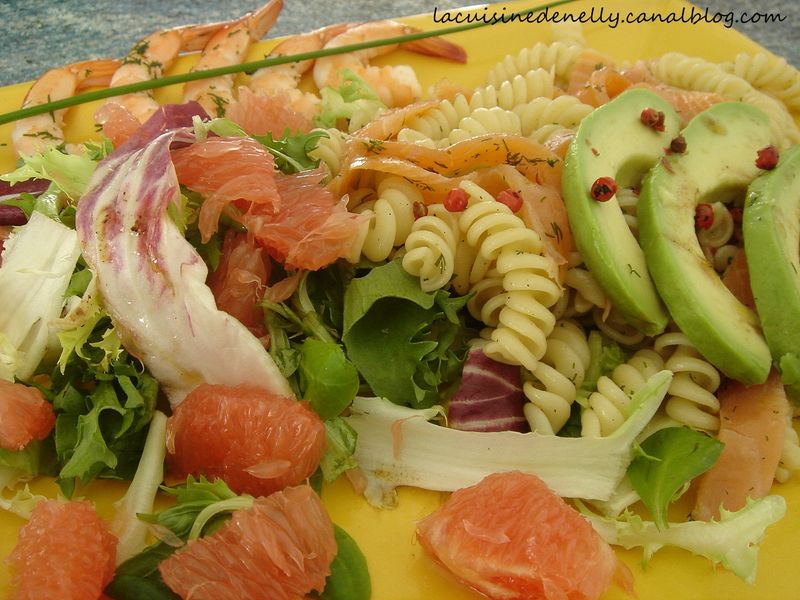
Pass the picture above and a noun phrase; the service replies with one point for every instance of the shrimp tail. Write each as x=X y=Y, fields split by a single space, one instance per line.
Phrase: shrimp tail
x=195 y=37
x=437 y=47
x=262 y=19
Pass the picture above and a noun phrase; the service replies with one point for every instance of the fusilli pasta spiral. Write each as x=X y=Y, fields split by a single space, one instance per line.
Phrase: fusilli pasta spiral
x=558 y=56
x=430 y=248
x=552 y=387
x=628 y=200
x=437 y=123
x=529 y=278
x=484 y=120
x=691 y=400
x=692 y=73
x=521 y=89
x=541 y=117
x=391 y=218
x=568 y=32
x=723 y=256
x=721 y=228
x=769 y=74
x=609 y=406
x=330 y=150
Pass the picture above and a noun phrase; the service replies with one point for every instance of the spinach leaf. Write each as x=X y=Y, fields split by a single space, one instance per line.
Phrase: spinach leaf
x=138 y=577
x=349 y=578
x=327 y=379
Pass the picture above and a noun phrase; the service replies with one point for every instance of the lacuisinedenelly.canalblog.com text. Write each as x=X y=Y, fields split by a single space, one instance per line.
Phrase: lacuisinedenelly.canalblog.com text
x=492 y=15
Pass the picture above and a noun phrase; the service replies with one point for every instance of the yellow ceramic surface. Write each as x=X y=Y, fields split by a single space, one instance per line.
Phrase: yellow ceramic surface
x=399 y=568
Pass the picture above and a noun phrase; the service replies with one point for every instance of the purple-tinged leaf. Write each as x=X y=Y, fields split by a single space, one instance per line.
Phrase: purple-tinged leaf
x=167 y=118
x=12 y=215
x=31 y=186
x=153 y=281
x=489 y=397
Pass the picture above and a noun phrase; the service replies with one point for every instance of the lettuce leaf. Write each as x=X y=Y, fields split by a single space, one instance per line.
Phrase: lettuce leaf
x=102 y=432
x=606 y=355
x=36 y=458
x=395 y=446
x=733 y=541
x=79 y=326
x=338 y=457
x=670 y=459
x=198 y=502
x=38 y=261
x=104 y=398
x=70 y=172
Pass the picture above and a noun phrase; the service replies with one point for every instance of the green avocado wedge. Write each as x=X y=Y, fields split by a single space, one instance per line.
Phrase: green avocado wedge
x=718 y=164
x=613 y=142
x=771 y=227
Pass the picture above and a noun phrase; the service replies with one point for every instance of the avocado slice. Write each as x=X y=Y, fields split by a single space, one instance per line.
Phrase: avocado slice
x=613 y=142
x=771 y=227
x=722 y=143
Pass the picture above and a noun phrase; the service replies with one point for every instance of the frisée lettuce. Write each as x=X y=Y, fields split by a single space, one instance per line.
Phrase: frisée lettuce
x=732 y=541
x=38 y=262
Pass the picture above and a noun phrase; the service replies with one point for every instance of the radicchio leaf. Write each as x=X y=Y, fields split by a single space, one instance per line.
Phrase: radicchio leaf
x=489 y=397
x=153 y=281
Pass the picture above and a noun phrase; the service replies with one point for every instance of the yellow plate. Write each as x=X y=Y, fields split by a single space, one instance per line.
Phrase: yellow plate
x=399 y=568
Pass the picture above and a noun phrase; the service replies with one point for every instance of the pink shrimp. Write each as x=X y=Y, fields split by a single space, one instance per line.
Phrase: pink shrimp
x=34 y=134
x=396 y=85
x=229 y=46
x=283 y=80
x=149 y=59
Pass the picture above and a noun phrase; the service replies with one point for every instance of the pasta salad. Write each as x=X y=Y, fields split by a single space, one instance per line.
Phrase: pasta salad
x=456 y=281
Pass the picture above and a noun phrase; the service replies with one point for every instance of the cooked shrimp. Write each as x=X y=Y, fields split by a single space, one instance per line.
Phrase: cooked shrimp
x=35 y=134
x=396 y=85
x=229 y=46
x=150 y=58
x=283 y=80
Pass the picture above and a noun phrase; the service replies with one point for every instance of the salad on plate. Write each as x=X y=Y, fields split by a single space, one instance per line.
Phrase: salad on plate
x=511 y=311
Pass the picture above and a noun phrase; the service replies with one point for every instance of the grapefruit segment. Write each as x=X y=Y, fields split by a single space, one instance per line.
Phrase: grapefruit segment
x=118 y=122
x=64 y=551
x=227 y=170
x=257 y=442
x=312 y=228
x=511 y=538
x=24 y=415
x=239 y=281
x=280 y=549
x=259 y=115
